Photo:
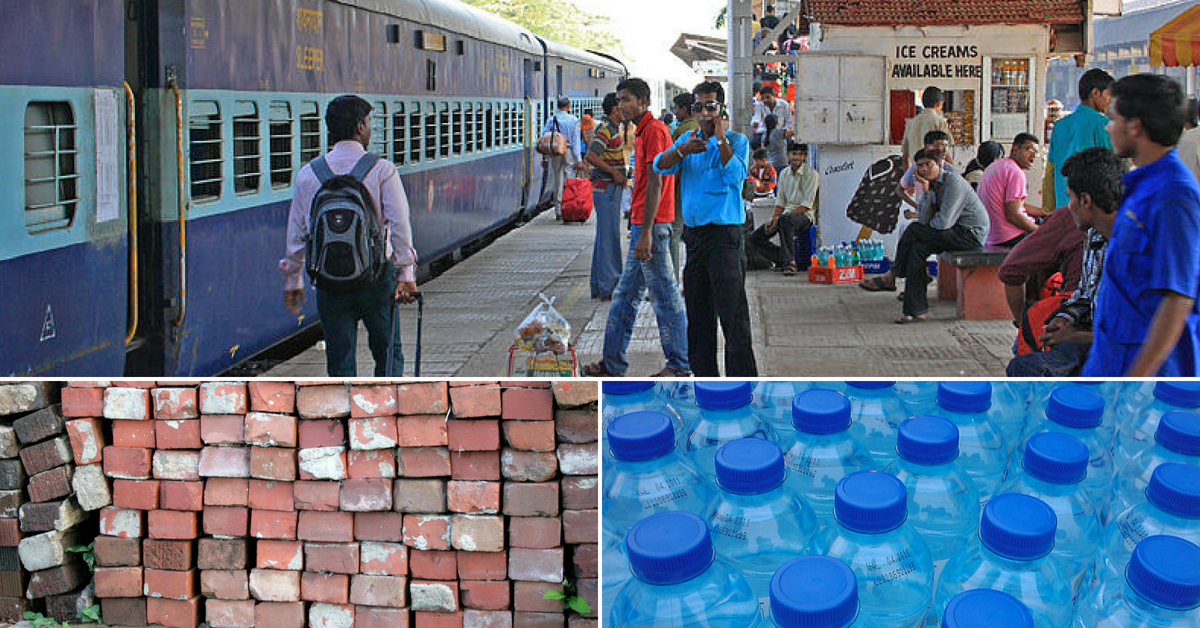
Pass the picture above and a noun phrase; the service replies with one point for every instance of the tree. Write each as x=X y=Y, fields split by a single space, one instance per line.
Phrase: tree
x=720 y=25
x=558 y=20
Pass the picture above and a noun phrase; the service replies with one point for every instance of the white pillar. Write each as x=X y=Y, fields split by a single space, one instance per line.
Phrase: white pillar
x=741 y=65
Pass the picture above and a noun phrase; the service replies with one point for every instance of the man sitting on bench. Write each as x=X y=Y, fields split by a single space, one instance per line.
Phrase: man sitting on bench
x=950 y=217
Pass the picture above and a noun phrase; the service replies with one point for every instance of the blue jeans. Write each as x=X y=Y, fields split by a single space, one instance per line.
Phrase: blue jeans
x=340 y=313
x=606 y=251
x=658 y=276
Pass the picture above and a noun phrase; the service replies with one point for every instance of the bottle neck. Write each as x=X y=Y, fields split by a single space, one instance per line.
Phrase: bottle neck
x=747 y=500
x=1045 y=488
x=1146 y=609
x=1008 y=564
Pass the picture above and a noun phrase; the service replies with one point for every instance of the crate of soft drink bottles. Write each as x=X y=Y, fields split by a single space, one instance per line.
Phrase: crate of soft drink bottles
x=835 y=264
x=901 y=504
x=872 y=253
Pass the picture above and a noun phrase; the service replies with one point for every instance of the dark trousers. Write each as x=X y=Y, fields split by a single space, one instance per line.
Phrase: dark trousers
x=790 y=224
x=340 y=313
x=917 y=243
x=714 y=289
x=1062 y=360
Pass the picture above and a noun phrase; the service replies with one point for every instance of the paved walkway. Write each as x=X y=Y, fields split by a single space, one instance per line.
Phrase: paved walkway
x=800 y=329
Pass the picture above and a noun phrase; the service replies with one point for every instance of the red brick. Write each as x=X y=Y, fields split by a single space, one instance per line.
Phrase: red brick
x=530 y=435
x=321 y=433
x=331 y=557
x=10 y=532
x=383 y=559
x=475 y=401
x=270 y=430
x=372 y=401
x=475 y=465
x=427 y=532
x=379 y=526
x=528 y=499
x=118 y=581
x=123 y=462
x=279 y=615
x=176 y=434
x=580 y=493
x=223 y=553
x=222 y=398
x=271 y=495
x=439 y=620
x=173 y=613
x=330 y=588
x=133 y=434
x=225 y=462
x=422 y=462
x=378 y=617
x=489 y=595
x=422 y=431
x=225 y=584
x=226 y=492
x=579 y=459
x=422 y=398
x=433 y=565
x=477 y=533
x=378 y=463
x=581 y=526
x=53 y=484
x=373 y=433
x=85 y=402
x=226 y=521
x=491 y=619
x=87 y=438
x=589 y=590
x=178 y=464
x=284 y=555
x=426 y=602
x=473 y=497
x=534 y=532
x=273 y=463
x=171 y=555
x=528 y=404
x=571 y=393
x=483 y=565
x=524 y=383
x=112 y=551
x=528 y=466
x=474 y=435
x=323 y=463
x=387 y=591
x=126 y=403
x=272 y=397
x=173 y=585
x=222 y=429
x=175 y=403
x=181 y=496
x=229 y=613
x=587 y=560
x=122 y=522
x=170 y=524
x=326 y=527
x=321 y=615
x=366 y=495
x=136 y=494
x=315 y=495
x=123 y=611
x=577 y=426
x=323 y=402
x=419 y=496
x=537 y=565
x=272 y=524
x=270 y=585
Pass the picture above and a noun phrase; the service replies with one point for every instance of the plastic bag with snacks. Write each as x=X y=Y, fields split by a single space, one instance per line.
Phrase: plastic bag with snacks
x=544 y=329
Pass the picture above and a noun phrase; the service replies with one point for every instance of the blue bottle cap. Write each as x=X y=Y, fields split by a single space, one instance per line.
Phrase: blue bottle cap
x=821 y=411
x=626 y=387
x=871 y=385
x=669 y=548
x=1075 y=406
x=814 y=592
x=1056 y=458
x=966 y=397
x=927 y=440
x=1166 y=571
x=639 y=436
x=723 y=395
x=1179 y=431
x=986 y=608
x=1182 y=394
x=870 y=502
x=1019 y=527
x=1175 y=488
x=749 y=466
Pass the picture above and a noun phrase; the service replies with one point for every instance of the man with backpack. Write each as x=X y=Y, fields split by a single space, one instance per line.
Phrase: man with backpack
x=348 y=227
x=562 y=166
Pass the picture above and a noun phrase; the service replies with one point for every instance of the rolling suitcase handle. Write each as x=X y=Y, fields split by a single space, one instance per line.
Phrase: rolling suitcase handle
x=391 y=358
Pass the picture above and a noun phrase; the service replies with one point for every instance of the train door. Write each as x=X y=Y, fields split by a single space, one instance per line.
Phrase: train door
x=529 y=92
x=144 y=326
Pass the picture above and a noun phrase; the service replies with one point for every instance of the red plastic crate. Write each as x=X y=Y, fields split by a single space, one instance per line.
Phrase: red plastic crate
x=842 y=274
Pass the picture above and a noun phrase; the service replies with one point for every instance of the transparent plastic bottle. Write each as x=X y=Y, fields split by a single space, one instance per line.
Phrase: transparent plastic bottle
x=647 y=475
x=1107 y=391
x=1136 y=432
x=1172 y=508
x=758 y=524
x=1012 y=554
x=816 y=592
x=982 y=450
x=1177 y=439
x=1053 y=470
x=821 y=451
x=943 y=503
x=1008 y=413
x=985 y=608
x=615 y=568
x=918 y=397
x=679 y=582
x=1161 y=589
x=625 y=396
x=875 y=414
x=773 y=403
x=725 y=415
x=889 y=557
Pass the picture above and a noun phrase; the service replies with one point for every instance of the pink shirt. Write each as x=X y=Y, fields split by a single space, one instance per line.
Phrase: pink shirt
x=382 y=182
x=1002 y=182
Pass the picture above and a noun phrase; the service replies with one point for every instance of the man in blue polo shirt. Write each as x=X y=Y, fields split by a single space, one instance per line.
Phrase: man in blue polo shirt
x=712 y=164
x=1146 y=321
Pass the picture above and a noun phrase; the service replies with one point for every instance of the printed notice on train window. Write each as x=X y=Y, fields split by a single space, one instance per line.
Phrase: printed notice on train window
x=107 y=155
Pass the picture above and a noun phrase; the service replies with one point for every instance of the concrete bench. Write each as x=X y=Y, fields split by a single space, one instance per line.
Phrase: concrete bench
x=972 y=279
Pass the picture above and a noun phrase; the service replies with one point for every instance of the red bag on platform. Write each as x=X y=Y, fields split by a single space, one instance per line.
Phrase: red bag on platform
x=576 y=200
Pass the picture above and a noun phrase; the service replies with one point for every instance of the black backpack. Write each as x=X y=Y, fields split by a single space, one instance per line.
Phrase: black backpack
x=345 y=250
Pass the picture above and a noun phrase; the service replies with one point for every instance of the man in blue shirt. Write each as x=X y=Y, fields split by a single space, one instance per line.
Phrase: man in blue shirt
x=1146 y=320
x=561 y=168
x=1085 y=128
x=712 y=163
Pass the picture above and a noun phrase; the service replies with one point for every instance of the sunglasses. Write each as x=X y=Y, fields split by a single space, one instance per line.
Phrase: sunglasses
x=706 y=106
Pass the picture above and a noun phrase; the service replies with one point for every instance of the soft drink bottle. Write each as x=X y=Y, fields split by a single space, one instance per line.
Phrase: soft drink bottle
x=1172 y=507
x=816 y=592
x=725 y=415
x=1161 y=589
x=773 y=403
x=1177 y=439
x=985 y=608
x=981 y=449
x=1136 y=432
x=821 y=451
x=875 y=414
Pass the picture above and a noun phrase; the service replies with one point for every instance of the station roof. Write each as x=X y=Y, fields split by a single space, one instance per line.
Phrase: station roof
x=1135 y=26
x=944 y=12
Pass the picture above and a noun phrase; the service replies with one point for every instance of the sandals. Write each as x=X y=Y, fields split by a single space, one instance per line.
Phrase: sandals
x=789 y=270
x=908 y=319
x=597 y=369
x=671 y=372
x=876 y=284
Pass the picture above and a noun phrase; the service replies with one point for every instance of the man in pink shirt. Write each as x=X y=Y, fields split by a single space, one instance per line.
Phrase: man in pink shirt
x=1002 y=188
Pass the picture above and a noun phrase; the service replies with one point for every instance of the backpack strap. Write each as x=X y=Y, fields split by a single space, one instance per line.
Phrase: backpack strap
x=321 y=169
x=364 y=166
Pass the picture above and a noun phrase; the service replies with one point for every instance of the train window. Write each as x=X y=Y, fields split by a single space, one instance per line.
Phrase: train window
x=399 y=134
x=430 y=75
x=491 y=126
x=468 y=139
x=51 y=175
x=414 y=128
x=431 y=132
x=518 y=125
x=479 y=135
x=458 y=135
x=247 y=151
x=310 y=132
x=505 y=124
x=281 y=144
x=446 y=135
x=204 y=150
x=379 y=128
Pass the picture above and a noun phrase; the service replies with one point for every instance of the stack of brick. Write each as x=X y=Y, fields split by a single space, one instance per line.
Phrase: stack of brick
x=576 y=428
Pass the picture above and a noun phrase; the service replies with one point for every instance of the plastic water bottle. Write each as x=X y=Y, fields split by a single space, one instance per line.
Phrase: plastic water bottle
x=1177 y=439
x=647 y=475
x=725 y=415
x=1053 y=470
x=758 y=524
x=1172 y=508
x=680 y=394
x=822 y=451
x=1011 y=554
x=889 y=557
x=623 y=397
x=1008 y=411
x=1136 y=432
x=918 y=397
x=816 y=592
x=679 y=581
x=985 y=608
x=875 y=414
x=616 y=565
x=1161 y=589
x=1133 y=397
x=773 y=403
x=1107 y=392
x=981 y=449
x=943 y=503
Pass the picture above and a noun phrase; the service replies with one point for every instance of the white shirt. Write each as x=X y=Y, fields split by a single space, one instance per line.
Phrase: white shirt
x=1189 y=150
x=782 y=110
